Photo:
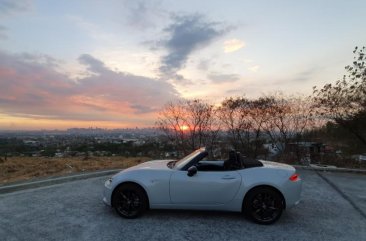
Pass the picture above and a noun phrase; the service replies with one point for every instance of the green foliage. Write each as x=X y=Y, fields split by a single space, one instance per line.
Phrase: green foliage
x=11 y=146
x=337 y=137
x=345 y=101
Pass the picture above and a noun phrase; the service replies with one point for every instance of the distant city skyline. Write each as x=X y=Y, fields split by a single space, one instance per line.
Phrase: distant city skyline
x=115 y=63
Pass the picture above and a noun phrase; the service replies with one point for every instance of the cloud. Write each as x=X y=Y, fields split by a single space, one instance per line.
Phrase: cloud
x=204 y=64
x=43 y=59
x=11 y=6
x=233 y=45
x=140 y=109
x=142 y=14
x=2 y=32
x=30 y=87
x=234 y=91
x=306 y=75
x=137 y=90
x=223 y=78
x=186 y=34
x=254 y=68
x=94 y=65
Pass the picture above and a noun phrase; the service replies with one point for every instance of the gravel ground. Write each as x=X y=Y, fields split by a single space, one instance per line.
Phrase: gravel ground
x=74 y=211
x=355 y=190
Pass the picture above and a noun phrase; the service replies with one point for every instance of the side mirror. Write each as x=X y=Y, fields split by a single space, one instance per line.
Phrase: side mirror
x=192 y=171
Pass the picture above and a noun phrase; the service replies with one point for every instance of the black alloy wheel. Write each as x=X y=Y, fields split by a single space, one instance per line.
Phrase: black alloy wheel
x=264 y=205
x=129 y=200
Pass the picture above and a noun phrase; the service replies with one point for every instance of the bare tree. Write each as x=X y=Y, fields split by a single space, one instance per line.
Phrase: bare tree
x=171 y=122
x=276 y=117
x=287 y=117
x=233 y=114
x=258 y=115
x=189 y=124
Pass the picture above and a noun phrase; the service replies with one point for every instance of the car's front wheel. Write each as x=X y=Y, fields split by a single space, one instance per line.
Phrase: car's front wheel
x=129 y=200
x=264 y=205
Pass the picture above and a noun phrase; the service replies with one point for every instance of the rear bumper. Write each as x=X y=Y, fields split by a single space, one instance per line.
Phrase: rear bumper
x=292 y=193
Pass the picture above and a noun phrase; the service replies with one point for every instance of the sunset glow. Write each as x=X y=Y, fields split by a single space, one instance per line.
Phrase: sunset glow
x=184 y=128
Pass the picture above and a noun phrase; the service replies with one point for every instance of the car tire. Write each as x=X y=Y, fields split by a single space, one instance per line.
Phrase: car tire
x=129 y=200
x=263 y=205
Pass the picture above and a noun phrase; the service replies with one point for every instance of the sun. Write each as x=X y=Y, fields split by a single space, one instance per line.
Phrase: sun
x=184 y=128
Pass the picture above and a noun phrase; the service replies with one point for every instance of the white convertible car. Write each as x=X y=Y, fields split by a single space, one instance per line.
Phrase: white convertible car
x=259 y=189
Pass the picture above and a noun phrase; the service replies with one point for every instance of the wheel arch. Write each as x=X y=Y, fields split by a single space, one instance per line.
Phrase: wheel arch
x=132 y=183
x=263 y=186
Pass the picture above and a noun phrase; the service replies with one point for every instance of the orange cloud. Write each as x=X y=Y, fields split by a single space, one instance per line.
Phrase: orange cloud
x=36 y=91
x=33 y=123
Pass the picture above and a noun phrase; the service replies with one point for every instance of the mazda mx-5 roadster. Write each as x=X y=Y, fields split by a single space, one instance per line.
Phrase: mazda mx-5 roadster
x=262 y=190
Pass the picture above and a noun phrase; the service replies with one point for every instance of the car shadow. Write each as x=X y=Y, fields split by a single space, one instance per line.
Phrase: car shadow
x=197 y=215
x=194 y=214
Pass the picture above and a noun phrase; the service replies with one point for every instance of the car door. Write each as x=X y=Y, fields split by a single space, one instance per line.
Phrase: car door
x=205 y=187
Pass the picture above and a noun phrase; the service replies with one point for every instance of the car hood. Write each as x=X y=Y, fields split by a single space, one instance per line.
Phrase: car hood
x=156 y=165
x=277 y=165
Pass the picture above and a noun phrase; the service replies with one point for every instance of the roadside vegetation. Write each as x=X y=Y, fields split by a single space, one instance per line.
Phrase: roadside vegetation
x=23 y=168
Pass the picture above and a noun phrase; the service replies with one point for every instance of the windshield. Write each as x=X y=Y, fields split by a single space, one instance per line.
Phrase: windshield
x=182 y=162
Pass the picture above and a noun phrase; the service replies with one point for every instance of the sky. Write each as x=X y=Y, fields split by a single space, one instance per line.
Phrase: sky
x=116 y=63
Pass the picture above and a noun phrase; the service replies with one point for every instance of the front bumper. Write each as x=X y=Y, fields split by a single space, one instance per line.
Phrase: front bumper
x=107 y=192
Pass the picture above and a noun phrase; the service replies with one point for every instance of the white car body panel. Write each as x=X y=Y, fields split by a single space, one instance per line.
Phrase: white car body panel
x=213 y=188
x=168 y=188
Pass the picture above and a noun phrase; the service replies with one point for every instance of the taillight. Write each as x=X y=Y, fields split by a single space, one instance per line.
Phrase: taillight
x=295 y=177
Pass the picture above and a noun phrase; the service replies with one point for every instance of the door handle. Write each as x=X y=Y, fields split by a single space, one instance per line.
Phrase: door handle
x=228 y=178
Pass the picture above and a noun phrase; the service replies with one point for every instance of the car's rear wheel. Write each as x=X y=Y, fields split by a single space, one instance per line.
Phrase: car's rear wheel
x=264 y=205
x=129 y=200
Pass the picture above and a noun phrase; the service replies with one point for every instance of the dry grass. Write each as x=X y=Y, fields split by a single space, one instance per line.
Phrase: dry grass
x=24 y=168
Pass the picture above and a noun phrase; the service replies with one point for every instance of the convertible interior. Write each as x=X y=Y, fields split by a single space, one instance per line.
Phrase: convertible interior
x=235 y=162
